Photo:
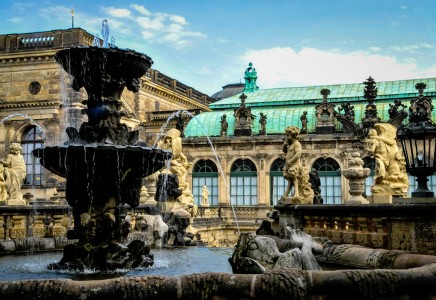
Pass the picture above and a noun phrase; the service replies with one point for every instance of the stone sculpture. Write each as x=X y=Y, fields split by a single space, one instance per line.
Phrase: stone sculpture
x=303 y=119
x=12 y=175
x=315 y=183
x=243 y=118
x=174 y=197
x=172 y=141
x=356 y=175
x=262 y=122
x=204 y=196
x=224 y=126
x=250 y=77
x=256 y=254
x=390 y=174
x=325 y=115
x=296 y=175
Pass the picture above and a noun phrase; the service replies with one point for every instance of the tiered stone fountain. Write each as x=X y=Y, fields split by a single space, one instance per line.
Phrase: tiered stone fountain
x=103 y=162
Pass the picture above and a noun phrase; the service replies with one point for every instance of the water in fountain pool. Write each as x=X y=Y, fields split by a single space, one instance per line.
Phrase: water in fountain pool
x=171 y=261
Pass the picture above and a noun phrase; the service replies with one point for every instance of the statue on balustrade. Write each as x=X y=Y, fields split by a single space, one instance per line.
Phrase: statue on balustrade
x=304 y=122
x=296 y=174
x=224 y=125
x=12 y=175
x=205 y=196
x=262 y=122
x=390 y=173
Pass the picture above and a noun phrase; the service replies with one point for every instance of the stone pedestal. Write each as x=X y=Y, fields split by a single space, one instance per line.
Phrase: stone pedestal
x=380 y=198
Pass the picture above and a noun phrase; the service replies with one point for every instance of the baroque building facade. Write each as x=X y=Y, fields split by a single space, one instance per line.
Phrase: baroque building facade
x=37 y=102
x=244 y=168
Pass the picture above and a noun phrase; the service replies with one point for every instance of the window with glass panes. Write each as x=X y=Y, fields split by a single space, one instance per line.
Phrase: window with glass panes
x=243 y=183
x=205 y=173
x=277 y=182
x=369 y=162
x=32 y=138
x=329 y=174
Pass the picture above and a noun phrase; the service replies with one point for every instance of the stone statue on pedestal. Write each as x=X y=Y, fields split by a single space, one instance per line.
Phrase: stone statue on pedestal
x=204 y=196
x=296 y=175
x=12 y=175
x=224 y=125
x=390 y=172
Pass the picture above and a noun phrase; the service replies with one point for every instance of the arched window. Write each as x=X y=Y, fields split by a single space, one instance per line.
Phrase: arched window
x=32 y=138
x=205 y=173
x=329 y=173
x=243 y=183
x=277 y=182
x=369 y=162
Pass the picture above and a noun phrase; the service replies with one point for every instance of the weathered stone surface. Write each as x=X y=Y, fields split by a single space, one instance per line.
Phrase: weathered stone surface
x=257 y=254
x=284 y=283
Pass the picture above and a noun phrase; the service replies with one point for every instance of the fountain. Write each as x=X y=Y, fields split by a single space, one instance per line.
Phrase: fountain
x=103 y=162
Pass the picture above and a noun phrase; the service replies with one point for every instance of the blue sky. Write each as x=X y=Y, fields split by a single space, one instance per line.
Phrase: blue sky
x=207 y=44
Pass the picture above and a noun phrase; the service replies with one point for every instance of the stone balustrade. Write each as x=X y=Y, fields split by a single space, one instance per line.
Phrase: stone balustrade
x=409 y=227
x=20 y=222
x=45 y=40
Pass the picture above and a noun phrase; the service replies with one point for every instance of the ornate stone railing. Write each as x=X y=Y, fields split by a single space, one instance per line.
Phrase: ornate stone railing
x=178 y=87
x=391 y=226
x=20 y=222
x=242 y=213
x=45 y=40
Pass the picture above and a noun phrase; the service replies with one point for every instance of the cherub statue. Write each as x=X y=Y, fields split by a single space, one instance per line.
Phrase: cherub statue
x=388 y=175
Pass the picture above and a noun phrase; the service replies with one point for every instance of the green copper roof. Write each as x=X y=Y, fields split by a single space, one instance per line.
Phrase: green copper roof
x=283 y=107
x=338 y=93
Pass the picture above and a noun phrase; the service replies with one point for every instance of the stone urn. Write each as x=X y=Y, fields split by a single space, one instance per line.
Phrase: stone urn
x=356 y=175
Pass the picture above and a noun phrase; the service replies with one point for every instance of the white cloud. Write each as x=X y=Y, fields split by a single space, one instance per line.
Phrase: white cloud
x=374 y=49
x=403 y=7
x=117 y=12
x=164 y=28
x=141 y=9
x=279 y=67
x=412 y=48
x=148 y=34
x=150 y=24
x=174 y=28
x=178 y=19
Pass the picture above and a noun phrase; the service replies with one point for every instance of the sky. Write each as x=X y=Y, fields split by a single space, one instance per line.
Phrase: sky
x=207 y=44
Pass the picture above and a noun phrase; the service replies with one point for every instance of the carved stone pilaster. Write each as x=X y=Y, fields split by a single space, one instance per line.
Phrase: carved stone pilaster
x=38 y=227
x=18 y=230
x=2 y=228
